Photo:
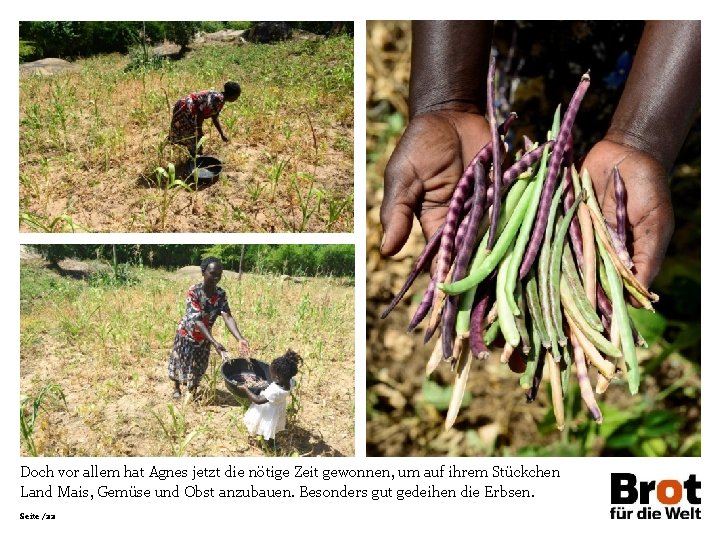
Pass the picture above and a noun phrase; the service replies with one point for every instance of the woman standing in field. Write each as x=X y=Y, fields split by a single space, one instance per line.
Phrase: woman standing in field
x=191 y=349
x=190 y=112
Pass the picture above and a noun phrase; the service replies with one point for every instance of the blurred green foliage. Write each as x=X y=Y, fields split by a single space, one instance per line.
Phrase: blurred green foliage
x=297 y=260
x=64 y=39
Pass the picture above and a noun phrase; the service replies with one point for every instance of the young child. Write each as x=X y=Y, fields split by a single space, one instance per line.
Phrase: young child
x=267 y=414
x=190 y=112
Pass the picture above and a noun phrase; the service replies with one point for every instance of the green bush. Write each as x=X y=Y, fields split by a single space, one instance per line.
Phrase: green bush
x=69 y=39
x=84 y=38
x=28 y=51
x=336 y=260
x=211 y=26
x=239 y=25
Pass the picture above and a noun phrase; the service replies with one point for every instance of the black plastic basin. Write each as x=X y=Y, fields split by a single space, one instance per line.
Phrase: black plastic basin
x=233 y=369
x=208 y=167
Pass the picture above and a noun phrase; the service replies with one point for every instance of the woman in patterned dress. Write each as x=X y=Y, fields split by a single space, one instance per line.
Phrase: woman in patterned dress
x=190 y=112
x=191 y=349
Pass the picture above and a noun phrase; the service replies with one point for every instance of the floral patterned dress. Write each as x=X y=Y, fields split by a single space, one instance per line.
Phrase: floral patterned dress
x=191 y=350
x=183 y=127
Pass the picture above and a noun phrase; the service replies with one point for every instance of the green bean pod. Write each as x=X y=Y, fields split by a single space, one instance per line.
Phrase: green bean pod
x=555 y=259
x=505 y=315
x=491 y=259
x=520 y=318
x=544 y=277
x=637 y=295
x=565 y=370
x=533 y=300
x=535 y=350
x=527 y=224
x=464 y=311
x=623 y=320
x=570 y=273
x=511 y=201
x=491 y=332
x=602 y=237
x=572 y=311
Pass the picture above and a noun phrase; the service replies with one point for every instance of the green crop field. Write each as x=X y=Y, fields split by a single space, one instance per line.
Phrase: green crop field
x=93 y=154
x=94 y=354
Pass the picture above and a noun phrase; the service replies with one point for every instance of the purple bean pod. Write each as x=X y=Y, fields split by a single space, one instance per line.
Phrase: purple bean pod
x=452 y=220
x=423 y=259
x=586 y=391
x=620 y=206
x=462 y=229
x=620 y=247
x=477 y=325
x=497 y=164
x=516 y=169
x=431 y=331
x=603 y=303
x=476 y=213
x=605 y=323
x=448 y=325
x=424 y=307
x=460 y=200
x=551 y=178
x=569 y=155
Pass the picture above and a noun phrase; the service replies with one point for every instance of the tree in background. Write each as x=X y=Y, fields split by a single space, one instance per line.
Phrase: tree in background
x=292 y=259
x=179 y=32
x=66 y=39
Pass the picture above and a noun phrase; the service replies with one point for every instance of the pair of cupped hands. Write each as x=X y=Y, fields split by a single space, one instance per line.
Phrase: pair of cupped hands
x=436 y=147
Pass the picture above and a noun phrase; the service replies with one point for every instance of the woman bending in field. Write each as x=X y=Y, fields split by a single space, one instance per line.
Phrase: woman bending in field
x=190 y=112
x=191 y=349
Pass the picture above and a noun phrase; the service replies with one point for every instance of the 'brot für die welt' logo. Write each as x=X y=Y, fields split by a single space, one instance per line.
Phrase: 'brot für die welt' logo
x=679 y=500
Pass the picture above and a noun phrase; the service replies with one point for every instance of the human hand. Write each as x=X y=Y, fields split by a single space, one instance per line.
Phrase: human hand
x=244 y=347
x=220 y=348
x=649 y=206
x=423 y=170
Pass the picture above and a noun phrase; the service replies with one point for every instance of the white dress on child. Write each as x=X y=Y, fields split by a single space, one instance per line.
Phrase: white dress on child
x=269 y=418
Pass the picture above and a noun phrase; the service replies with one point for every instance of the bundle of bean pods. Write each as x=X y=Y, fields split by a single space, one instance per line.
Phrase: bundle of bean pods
x=525 y=252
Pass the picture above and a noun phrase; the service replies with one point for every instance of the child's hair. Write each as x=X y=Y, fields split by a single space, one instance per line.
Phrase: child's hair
x=232 y=89
x=208 y=261
x=287 y=365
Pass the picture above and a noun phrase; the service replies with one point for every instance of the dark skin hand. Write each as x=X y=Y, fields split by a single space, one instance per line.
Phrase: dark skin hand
x=649 y=126
x=447 y=102
x=421 y=182
x=216 y=122
x=259 y=400
x=447 y=128
x=649 y=208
